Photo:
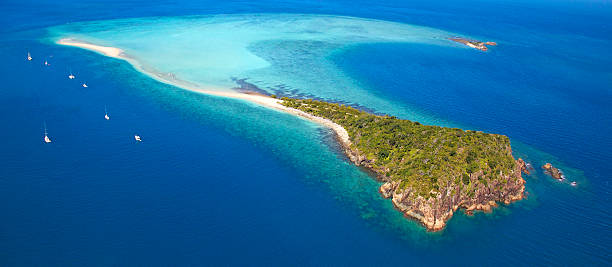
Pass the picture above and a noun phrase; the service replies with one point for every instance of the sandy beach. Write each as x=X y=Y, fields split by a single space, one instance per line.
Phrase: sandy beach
x=261 y=100
x=105 y=50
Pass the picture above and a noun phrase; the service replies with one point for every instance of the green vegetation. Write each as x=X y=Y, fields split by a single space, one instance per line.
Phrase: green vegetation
x=424 y=158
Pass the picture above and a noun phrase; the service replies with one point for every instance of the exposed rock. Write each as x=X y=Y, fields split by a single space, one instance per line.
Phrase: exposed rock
x=523 y=165
x=433 y=213
x=473 y=43
x=552 y=171
x=388 y=188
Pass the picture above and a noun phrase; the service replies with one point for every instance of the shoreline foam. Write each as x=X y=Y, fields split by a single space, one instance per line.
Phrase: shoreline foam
x=170 y=79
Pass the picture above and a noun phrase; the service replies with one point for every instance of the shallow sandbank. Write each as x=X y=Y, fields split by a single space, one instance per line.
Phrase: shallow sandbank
x=170 y=78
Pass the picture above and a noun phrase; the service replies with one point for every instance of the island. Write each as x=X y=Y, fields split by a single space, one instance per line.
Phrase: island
x=428 y=171
x=552 y=171
x=482 y=46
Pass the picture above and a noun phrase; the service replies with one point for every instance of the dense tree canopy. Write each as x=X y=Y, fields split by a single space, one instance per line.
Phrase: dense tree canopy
x=424 y=158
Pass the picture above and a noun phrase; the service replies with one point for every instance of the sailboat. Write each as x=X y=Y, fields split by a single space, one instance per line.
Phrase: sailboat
x=47 y=139
x=85 y=85
x=106 y=114
x=71 y=76
x=29 y=57
x=47 y=63
x=137 y=138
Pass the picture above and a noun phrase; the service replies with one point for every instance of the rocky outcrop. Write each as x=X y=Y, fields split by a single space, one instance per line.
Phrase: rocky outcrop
x=434 y=212
x=552 y=171
x=523 y=165
x=473 y=43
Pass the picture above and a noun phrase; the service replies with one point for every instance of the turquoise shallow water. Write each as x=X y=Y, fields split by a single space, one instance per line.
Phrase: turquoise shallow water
x=225 y=182
x=283 y=53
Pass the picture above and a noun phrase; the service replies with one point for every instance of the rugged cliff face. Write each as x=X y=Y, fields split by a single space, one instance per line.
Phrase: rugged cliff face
x=435 y=211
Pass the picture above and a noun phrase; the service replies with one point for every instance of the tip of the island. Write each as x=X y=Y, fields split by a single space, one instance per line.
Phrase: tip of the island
x=428 y=172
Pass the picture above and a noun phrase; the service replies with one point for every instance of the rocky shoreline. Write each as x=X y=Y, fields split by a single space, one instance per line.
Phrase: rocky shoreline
x=477 y=187
x=433 y=213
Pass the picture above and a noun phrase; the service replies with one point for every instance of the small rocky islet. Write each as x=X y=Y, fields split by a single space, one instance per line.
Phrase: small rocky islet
x=552 y=171
x=428 y=172
x=482 y=46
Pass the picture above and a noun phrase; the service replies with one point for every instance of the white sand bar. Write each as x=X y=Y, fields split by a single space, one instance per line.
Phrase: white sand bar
x=105 y=50
x=262 y=100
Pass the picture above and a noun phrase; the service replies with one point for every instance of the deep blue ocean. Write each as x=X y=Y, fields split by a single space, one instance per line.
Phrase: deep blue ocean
x=222 y=182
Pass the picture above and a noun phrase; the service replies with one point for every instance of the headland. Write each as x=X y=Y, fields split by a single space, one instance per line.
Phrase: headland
x=428 y=171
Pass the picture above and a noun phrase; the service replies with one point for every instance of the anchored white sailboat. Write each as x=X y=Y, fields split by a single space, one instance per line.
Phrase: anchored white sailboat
x=137 y=138
x=85 y=85
x=106 y=114
x=29 y=57
x=47 y=63
x=47 y=139
x=71 y=76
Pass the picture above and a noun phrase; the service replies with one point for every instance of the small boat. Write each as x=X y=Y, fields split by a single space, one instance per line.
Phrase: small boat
x=47 y=139
x=574 y=183
x=29 y=57
x=85 y=85
x=46 y=63
x=137 y=138
x=70 y=76
x=106 y=114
